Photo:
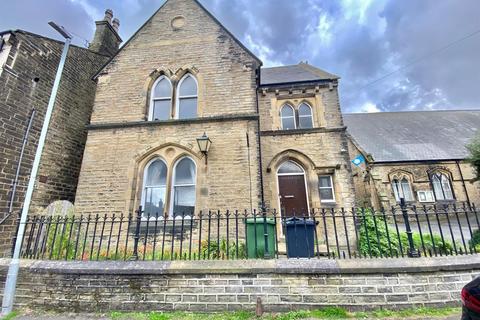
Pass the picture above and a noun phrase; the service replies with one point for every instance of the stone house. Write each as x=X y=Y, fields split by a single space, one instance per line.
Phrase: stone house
x=277 y=134
x=418 y=156
x=28 y=64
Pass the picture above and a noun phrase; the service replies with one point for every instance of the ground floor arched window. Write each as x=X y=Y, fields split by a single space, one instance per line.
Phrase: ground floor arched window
x=175 y=185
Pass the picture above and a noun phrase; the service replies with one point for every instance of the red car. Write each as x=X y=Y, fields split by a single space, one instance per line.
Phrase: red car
x=471 y=300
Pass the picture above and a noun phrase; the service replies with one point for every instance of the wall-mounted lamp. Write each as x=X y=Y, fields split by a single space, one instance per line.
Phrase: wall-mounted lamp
x=204 y=144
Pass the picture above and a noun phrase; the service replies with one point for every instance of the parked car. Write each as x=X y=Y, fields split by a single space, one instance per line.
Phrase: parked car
x=471 y=300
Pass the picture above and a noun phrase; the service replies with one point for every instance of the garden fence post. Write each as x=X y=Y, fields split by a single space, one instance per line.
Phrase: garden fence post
x=136 y=237
x=412 y=252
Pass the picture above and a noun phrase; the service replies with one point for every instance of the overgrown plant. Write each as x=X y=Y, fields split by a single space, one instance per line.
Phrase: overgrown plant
x=211 y=250
x=474 y=157
x=379 y=239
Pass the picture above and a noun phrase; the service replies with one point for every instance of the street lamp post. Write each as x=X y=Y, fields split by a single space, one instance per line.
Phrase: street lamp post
x=11 y=281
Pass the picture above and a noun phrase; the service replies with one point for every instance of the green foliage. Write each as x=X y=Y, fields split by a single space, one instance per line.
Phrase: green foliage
x=330 y=313
x=212 y=251
x=475 y=241
x=474 y=157
x=375 y=235
x=325 y=313
x=10 y=316
x=61 y=237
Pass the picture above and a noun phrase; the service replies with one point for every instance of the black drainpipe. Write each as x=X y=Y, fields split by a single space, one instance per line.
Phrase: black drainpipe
x=262 y=194
x=19 y=165
x=463 y=182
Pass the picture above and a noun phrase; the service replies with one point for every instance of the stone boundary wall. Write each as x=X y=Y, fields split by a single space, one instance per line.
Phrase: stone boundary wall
x=210 y=286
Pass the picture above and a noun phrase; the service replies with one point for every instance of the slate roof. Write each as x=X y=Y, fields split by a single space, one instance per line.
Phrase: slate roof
x=301 y=72
x=414 y=136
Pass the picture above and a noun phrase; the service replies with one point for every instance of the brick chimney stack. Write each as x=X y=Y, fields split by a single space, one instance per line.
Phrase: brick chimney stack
x=106 y=40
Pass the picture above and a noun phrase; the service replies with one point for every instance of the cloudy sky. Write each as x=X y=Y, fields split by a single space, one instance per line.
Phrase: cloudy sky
x=429 y=48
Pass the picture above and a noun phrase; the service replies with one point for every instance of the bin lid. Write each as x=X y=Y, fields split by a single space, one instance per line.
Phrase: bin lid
x=300 y=221
x=260 y=220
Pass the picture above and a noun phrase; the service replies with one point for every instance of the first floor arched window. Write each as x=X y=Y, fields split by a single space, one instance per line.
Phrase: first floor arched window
x=184 y=177
x=187 y=98
x=442 y=186
x=287 y=114
x=161 y=100
x=305 y=120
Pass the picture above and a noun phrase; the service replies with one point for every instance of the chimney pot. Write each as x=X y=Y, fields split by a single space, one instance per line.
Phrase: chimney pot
x=108 y=15
x=116 y=24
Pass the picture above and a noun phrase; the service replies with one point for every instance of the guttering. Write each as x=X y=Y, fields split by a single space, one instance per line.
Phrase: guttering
x=417 y=161
x=297 y=83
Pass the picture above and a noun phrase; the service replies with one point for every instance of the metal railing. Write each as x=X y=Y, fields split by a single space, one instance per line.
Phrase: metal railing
x=358 y=233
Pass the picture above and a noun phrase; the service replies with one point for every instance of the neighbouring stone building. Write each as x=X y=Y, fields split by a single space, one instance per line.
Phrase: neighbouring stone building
x=28 y=64
x=418 y=156
x=277 y=134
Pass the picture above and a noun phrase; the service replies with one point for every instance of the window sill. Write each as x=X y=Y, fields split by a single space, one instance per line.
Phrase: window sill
x=328 y=204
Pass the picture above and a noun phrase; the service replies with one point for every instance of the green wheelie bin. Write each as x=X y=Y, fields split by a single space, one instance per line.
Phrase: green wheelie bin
x=255 y=231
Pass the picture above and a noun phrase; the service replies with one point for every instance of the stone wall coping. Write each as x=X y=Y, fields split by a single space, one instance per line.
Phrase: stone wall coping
x=281 y=266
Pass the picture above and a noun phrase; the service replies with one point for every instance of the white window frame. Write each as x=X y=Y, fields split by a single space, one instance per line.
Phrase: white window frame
x=172 y=191
x=144 y=186
x=153 y=98
x=428 y=194
x=332 y=187
x=178 y=98
x=295 y=125
x=310 y=116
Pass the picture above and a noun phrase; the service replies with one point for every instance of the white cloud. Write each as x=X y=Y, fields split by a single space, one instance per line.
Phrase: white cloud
x=369 y=107
x=92 y=12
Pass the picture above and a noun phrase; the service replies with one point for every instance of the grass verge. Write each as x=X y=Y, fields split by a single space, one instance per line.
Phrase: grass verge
x=325 y=313
x=11 y=315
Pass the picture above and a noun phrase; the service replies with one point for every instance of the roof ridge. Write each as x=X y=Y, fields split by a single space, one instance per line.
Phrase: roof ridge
x=317 y=71
x=235 y=39
x=29 y=33
x=411 y=111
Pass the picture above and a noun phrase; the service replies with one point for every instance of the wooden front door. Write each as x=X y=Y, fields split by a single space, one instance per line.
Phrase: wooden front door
x=293 y=195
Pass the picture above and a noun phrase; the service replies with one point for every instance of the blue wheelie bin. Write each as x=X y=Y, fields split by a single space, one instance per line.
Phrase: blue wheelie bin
x=300 y=237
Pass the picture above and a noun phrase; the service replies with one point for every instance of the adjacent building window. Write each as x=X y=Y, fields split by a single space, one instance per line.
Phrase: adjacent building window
x=287 y=114
x=327 y=192
x=402 y=190
x=187 y=98
x=186 y=104
x=161 y=104
x=442 y=187
x=305 y=120
x=154 y=188
x=184 y=188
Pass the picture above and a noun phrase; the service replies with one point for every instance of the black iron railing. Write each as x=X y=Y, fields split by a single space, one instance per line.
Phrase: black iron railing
x=403 y=231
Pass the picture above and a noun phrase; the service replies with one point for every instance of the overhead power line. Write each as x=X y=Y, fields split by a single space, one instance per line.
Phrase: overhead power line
x=451 y=44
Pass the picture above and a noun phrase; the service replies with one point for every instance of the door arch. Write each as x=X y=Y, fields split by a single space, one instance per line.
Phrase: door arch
x=292 y=189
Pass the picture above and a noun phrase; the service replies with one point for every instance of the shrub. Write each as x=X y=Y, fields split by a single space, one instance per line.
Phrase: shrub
x=377 y=245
